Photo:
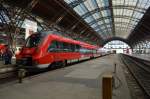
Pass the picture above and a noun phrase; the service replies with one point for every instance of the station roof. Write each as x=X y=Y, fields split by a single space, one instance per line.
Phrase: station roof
x=51 y=14
x=141 y=32
x=111 y=17
x=97 y=21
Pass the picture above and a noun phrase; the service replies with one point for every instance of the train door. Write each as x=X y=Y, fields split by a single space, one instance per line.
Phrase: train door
x=60 y=52
x=65 y=47
x=54 y=51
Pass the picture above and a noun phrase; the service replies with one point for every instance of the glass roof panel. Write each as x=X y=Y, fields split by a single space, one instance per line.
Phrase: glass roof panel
x=4 y=17
x=89 y=5
x=89 y=19
x=116 y=2
x=99 y=2
x=69 y=1
x=107 y=21
x=96 y=15
x=128 y=12
x=100 y=22
x=138 y=15
x=80 y=9
x=122 y=16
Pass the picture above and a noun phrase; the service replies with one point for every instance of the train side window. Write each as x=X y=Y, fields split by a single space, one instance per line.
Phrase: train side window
x=69 y=47
x=60 y=46
x=82 y=50
x=77 y=49
x=72 y=46
x=66 y=47
x=53 y=46
x=94 y=51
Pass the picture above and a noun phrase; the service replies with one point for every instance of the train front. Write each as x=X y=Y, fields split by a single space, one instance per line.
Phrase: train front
x=30 y=53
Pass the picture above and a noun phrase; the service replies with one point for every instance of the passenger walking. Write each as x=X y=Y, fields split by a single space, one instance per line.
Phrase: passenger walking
x=7 y=55
x=1 y=55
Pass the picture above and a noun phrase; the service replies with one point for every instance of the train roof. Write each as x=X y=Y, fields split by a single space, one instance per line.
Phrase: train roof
x=68 y=40
x=57 y=35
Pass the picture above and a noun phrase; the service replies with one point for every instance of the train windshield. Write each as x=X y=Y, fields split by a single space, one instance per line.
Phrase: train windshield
x=34 y=40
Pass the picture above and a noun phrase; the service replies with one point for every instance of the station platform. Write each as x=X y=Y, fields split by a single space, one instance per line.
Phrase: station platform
x=141 y=56
x=6 y=70
x=79 y=81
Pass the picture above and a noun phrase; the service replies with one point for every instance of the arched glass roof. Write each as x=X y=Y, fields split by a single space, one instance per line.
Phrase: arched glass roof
x=110 y=17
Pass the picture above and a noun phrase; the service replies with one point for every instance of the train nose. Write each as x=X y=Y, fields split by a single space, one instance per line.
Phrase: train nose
x=25 y=61
x=29 y=51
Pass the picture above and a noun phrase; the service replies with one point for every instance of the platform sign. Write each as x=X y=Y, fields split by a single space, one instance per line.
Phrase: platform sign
x=31 y=27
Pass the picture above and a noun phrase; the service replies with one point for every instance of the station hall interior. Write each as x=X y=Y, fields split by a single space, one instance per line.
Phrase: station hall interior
x=68 y=49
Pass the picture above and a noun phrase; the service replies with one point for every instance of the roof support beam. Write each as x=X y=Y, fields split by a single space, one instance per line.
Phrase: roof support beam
x=123 y=23
x=133 y=12
x=15 y=19
x=76 y=3
x=114 y=7
x=108 y=35
x=112 y=17
x=116 y=16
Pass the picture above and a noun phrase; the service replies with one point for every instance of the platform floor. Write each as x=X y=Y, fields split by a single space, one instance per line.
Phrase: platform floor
x=6 y=68
x=3 y=65
x=142 y=56
x=79 y=81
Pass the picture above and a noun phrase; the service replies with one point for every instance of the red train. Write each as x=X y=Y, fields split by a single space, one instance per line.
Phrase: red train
x=45 y=50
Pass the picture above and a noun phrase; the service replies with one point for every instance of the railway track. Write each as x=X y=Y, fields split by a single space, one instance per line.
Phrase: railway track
x=140 y=69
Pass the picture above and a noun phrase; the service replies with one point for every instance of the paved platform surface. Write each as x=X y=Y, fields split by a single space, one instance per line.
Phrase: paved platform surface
x=3 y=65
x=79 y=81
x=6 y=68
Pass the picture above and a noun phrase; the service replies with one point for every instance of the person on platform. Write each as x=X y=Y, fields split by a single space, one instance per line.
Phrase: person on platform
x=7 y=56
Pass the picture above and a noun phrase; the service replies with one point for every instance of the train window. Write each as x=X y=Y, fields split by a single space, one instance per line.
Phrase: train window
x=82 y=50
x=77 y=48
x=69 y=47
x=72 y=46
x=85 y=51
x=66 y=47
x=34 y=40
x=53 y=46
x=94 y=51
x=60 y=46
